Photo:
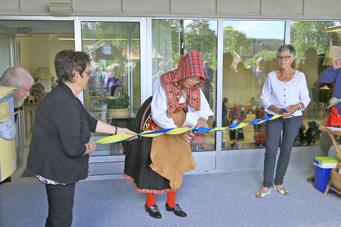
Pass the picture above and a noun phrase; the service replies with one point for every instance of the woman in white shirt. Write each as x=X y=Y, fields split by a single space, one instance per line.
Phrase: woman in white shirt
x=284 y=92
x=156 y=165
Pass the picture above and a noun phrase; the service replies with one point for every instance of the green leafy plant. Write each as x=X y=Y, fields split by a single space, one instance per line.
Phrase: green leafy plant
x=118 y=102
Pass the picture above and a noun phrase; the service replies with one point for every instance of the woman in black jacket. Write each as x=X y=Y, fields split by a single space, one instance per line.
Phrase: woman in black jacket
x=60 y=145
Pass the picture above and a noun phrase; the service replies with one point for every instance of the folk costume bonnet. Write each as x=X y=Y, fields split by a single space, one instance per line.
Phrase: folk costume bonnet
x=189 y=65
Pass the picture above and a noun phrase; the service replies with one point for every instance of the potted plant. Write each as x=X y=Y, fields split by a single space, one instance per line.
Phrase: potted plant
x=118 y=106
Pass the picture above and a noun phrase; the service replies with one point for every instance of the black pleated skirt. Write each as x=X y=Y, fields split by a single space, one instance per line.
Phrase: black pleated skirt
x=137 y=160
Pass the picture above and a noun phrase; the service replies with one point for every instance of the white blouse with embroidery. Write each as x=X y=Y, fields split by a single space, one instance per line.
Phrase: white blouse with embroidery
x=159 y=109
x=283 y=94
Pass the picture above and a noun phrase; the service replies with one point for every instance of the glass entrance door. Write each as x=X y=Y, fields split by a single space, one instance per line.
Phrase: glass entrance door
x=113 y=93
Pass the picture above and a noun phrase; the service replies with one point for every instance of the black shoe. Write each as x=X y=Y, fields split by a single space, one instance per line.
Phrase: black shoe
x=6 y=180
x=176 y=210
x=153 y=211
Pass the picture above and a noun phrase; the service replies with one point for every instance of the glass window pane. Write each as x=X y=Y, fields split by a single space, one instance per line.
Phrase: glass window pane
x=166 y=46
x=172 y=37
x=5 y=57
x=316 y=44
x=113 y=94
x=249 y=54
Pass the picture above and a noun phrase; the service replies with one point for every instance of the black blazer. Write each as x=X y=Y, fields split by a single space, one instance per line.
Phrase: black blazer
x=62 y=126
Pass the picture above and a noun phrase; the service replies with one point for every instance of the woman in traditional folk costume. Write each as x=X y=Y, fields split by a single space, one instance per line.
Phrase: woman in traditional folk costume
x=156 y=165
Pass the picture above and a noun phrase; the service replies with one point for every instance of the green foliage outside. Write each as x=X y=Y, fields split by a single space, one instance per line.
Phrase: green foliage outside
x=306 y=34
x=236 y=41
x=199 y=36
x=118 y=102
x=266 y=54
x=118 y=36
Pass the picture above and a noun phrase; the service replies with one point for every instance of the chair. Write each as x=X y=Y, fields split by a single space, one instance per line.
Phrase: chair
x=335 y=181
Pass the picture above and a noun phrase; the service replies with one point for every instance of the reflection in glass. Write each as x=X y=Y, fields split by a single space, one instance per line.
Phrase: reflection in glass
x=172 y=37
x=315 y=43
x=5 y=58
x=113 y=93
x=249 y=54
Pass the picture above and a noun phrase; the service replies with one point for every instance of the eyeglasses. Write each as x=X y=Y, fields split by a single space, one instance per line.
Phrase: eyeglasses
x=285 y=58
x=193 y=82
x=87 y=73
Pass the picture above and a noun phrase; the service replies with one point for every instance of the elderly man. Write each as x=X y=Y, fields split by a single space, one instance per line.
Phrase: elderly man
x=22 y=80
x=19 y=78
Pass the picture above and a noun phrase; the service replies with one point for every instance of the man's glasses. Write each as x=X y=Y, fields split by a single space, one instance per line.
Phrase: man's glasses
x=285 y=58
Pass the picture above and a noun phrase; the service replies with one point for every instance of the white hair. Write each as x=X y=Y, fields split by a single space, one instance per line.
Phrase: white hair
x=16 y=77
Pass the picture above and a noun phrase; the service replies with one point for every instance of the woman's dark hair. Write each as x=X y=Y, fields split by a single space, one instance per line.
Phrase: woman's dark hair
x=67 y=62
x=291 y=49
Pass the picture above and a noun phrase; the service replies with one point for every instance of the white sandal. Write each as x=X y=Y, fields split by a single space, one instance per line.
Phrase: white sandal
x=264 y=191
x=281 y=189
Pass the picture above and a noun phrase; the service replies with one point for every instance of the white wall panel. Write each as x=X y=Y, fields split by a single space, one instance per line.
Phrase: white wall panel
x=38 y=6
x=282 y=8
x=146 y=6
x=97 y=5
x=316 y=9
x=34 y=5
x=330 y=8
x=6 y=5
x=233 y=7
x=205 y=161
x=193 y=6
x=236 y=160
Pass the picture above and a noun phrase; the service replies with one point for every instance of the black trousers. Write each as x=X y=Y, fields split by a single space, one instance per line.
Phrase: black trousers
x=60 y=199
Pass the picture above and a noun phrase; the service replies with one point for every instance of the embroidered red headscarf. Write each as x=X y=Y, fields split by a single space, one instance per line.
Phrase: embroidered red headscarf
x=189 y=65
